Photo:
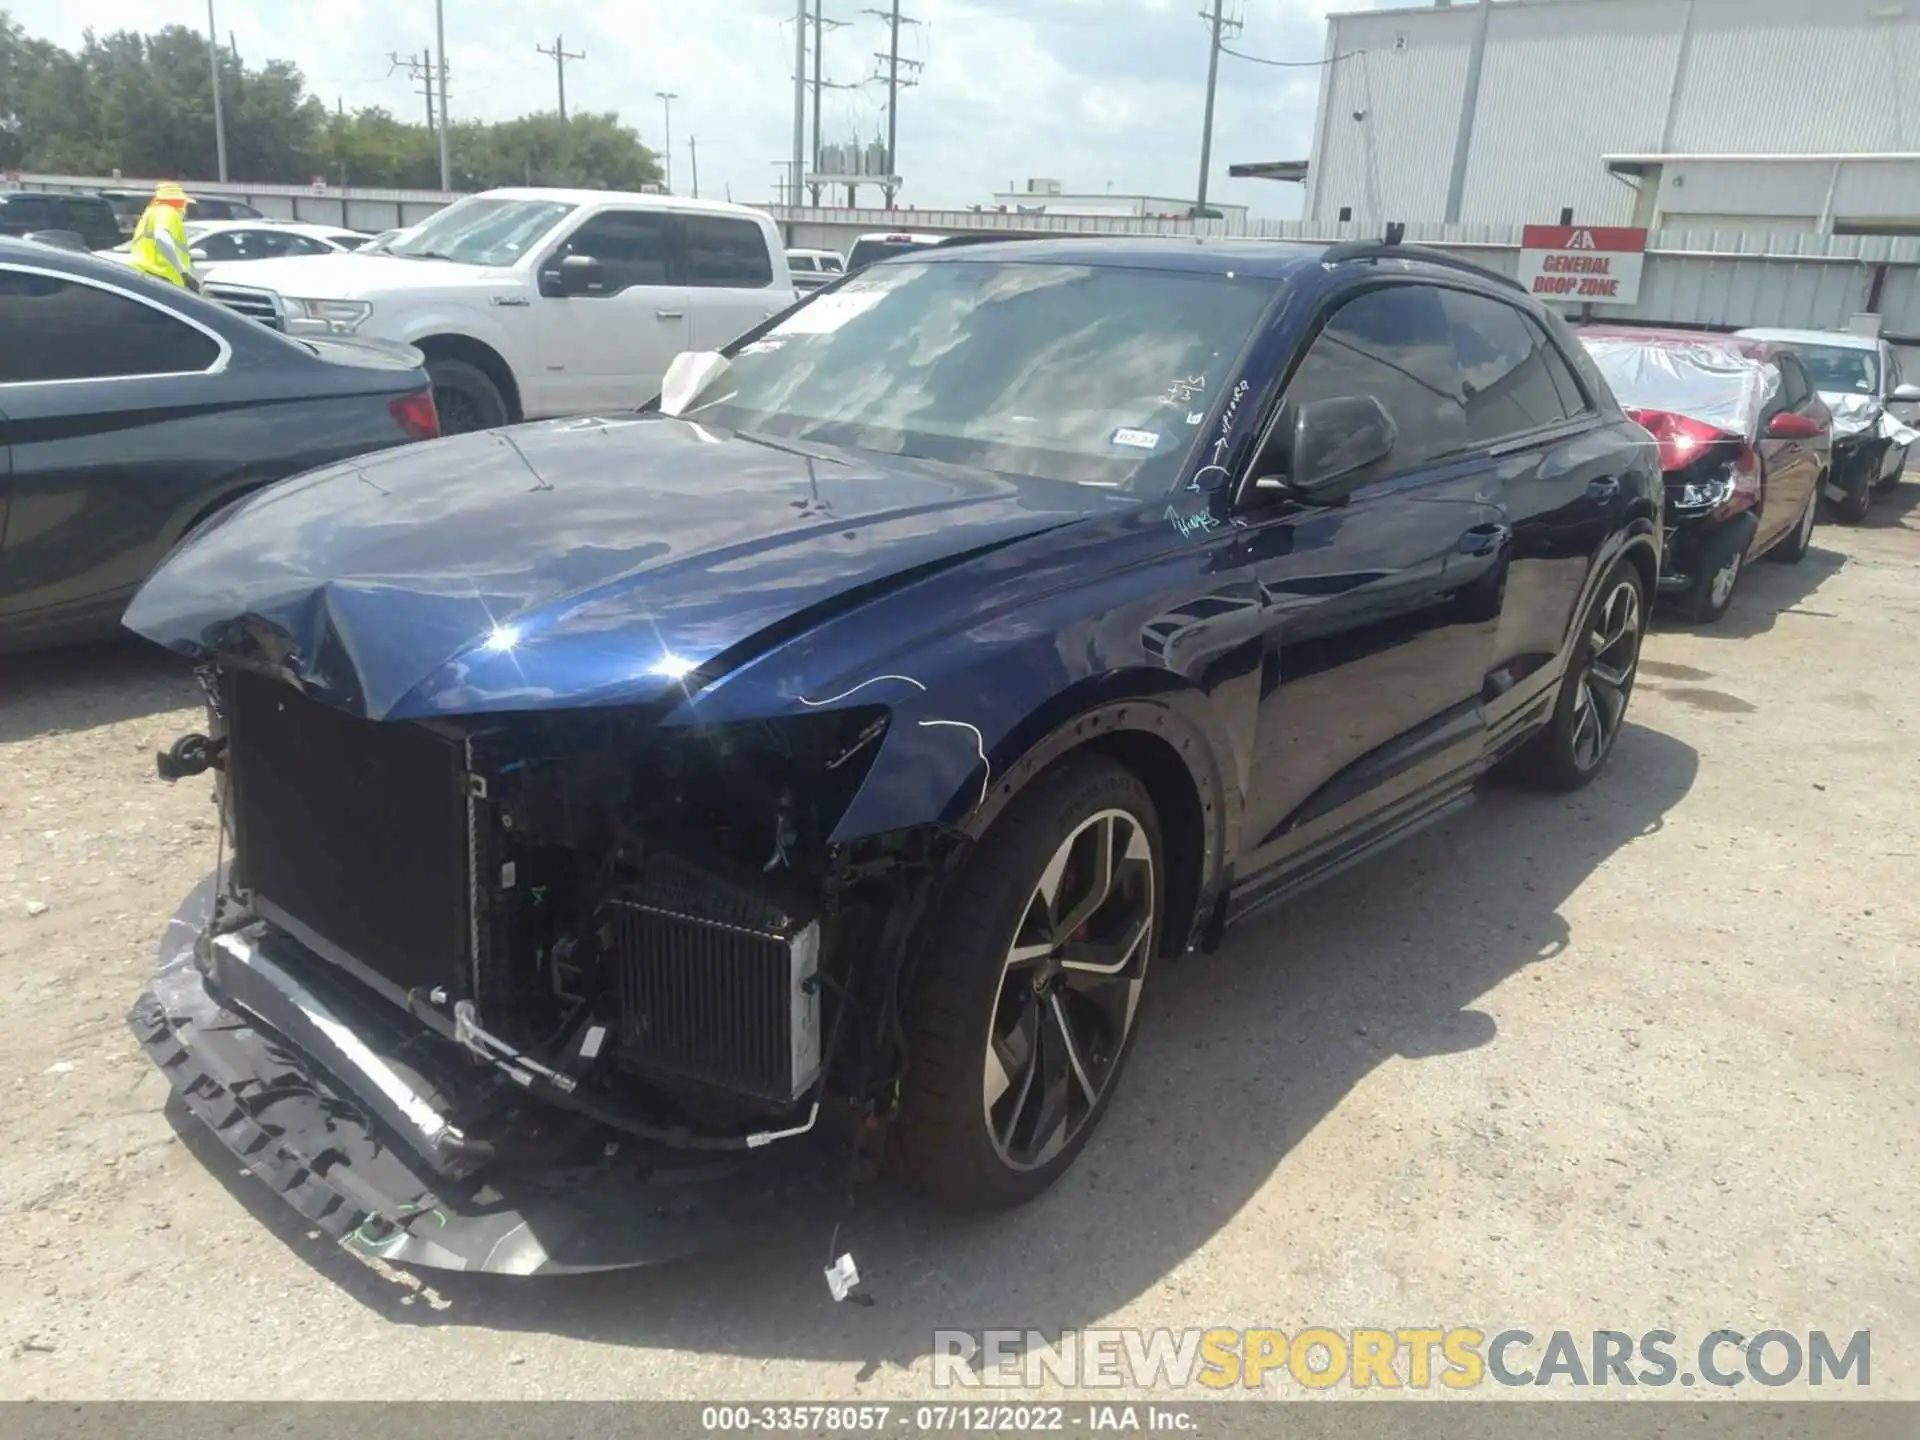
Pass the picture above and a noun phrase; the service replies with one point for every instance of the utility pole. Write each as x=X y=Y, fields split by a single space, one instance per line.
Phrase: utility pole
x=1220 y=27
x=219 y=115
x=895 y=85
x=419 y=68
x=559 y=54
x=440 y=44
x=796 y=168
x=666 y=98
x=820 y=27
x=693 y=157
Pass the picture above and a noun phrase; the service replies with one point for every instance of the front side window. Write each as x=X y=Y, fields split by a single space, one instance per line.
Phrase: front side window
x=722 y=250
x=1395 y=344
x=481 y=230
x=1099 y=375
x=57 y=329
x=631 y=245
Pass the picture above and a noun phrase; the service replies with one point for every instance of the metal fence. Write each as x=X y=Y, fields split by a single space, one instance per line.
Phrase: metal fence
x=1718 y=278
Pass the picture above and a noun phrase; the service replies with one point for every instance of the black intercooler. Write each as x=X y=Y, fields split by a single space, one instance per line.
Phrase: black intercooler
x=353 y=830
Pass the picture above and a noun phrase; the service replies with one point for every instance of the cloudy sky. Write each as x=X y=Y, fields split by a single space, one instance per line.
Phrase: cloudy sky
x=1090 y=92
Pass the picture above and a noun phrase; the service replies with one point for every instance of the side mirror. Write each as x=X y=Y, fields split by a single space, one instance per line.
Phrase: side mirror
x=1906 y=394
x=1326 y=450
x=572 y=275
x=690 y=374
x=1792 y=425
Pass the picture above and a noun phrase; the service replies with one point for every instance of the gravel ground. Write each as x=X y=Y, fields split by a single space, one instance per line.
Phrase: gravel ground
x=1643 y=1057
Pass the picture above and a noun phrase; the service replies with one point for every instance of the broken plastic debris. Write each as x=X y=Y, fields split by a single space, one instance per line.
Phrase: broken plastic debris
x=842 y=1277
x=60 y=1067
x=36 y=908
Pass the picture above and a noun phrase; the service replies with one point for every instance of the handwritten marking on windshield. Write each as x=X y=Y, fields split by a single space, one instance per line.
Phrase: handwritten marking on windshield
x=1181 y=392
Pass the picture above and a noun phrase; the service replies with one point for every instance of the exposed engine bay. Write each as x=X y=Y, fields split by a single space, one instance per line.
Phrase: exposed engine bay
x=513 y=936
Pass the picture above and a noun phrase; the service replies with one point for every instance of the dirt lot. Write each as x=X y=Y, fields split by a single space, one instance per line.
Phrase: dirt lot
x=1646 y=1057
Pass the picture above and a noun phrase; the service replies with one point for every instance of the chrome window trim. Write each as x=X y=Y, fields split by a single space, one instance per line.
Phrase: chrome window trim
x=219 y=361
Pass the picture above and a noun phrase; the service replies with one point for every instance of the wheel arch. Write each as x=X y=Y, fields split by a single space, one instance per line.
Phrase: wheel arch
x=450 y=345
x=1172 y=756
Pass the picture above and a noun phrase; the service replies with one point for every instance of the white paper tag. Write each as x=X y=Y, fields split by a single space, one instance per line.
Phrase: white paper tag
x=1135 y=439
x=590 y=1042
x=827 y=313
x=842 y=1277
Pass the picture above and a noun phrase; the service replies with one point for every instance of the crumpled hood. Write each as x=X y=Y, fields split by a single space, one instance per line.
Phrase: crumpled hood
x=564 y=564
x=1853 y=414
x=349 y=276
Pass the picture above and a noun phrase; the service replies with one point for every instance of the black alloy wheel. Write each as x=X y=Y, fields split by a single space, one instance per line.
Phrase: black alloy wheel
x=1020 y=1019
x=1069 y=990
x=1591 y=708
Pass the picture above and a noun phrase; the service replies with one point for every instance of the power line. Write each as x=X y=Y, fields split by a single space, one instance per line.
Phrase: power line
x=1291 y=64
x=895 y=85
x=559 y=54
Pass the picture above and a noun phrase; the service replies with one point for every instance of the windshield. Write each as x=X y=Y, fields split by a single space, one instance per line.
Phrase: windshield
x=1839 y=368
x=480 y=230
x=1102 y=376
x=870 y=252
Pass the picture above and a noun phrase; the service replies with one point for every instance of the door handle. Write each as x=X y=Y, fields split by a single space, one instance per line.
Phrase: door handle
x=670 y=314
x=1485 y=539
x=1605 y=489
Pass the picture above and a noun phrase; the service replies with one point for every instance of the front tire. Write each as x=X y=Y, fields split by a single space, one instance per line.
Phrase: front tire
x=1719 y=561
x=1021 y=1016
x=1574 y=745
x=466 y=398
x=1852 y=507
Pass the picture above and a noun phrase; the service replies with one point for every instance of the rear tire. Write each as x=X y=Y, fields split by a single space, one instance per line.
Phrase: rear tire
x=1022 y=1013
x=1793 y=549
x=1574 y=744
x=466 y=398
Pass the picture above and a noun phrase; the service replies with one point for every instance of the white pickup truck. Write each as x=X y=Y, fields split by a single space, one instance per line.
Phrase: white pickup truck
x=533 y=303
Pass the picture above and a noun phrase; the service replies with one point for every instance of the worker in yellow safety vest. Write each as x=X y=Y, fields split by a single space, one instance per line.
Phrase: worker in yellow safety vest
x=160 y=239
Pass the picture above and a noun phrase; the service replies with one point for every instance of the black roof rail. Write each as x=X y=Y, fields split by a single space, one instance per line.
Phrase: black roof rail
x=990 y=237
x=1348 y=250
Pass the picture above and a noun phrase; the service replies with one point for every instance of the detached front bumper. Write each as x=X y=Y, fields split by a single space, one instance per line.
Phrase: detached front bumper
x=578 y=1197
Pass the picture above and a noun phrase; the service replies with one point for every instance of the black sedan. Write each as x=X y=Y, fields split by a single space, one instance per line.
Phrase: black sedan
x=130 y=411
x=628 y=810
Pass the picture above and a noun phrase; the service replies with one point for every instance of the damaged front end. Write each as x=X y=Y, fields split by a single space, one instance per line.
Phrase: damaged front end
x=538 y=992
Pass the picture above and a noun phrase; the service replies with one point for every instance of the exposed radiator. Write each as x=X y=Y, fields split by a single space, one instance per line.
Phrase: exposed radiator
x=717 y=1003
x=353 y=829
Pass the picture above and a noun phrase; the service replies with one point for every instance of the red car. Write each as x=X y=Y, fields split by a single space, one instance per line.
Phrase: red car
x=1745 y=444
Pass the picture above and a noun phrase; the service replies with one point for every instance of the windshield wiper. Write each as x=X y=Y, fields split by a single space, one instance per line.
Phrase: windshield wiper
x=430 y=255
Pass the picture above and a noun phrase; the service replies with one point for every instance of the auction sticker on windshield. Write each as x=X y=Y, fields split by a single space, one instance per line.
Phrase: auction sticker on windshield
x=1136 y=439
x=829 y=312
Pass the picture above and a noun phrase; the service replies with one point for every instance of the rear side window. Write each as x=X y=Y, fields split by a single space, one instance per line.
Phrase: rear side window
x=800 y=262
x=1505 y=385
x=722 y=250
x=1571 y=398
x=21 y=213
x=830 y=263
x=1395 y=344
x=630 y=245
x=57 y=329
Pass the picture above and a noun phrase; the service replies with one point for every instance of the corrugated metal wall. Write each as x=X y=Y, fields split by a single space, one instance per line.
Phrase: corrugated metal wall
x=1566 y=82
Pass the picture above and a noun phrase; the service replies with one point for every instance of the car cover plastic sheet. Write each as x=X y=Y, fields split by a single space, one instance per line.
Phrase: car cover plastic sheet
x=1701 y=382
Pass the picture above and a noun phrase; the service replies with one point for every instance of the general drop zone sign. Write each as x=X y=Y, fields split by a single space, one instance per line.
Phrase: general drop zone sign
x=1587 y=264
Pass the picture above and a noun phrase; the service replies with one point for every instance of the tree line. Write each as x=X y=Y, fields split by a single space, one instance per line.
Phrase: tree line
x=142 y=105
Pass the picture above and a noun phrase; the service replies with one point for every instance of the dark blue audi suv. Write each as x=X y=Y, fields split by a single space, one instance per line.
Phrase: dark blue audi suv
x=627 y=816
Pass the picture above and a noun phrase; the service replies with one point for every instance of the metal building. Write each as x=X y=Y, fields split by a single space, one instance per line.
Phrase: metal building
x=1782 y=115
